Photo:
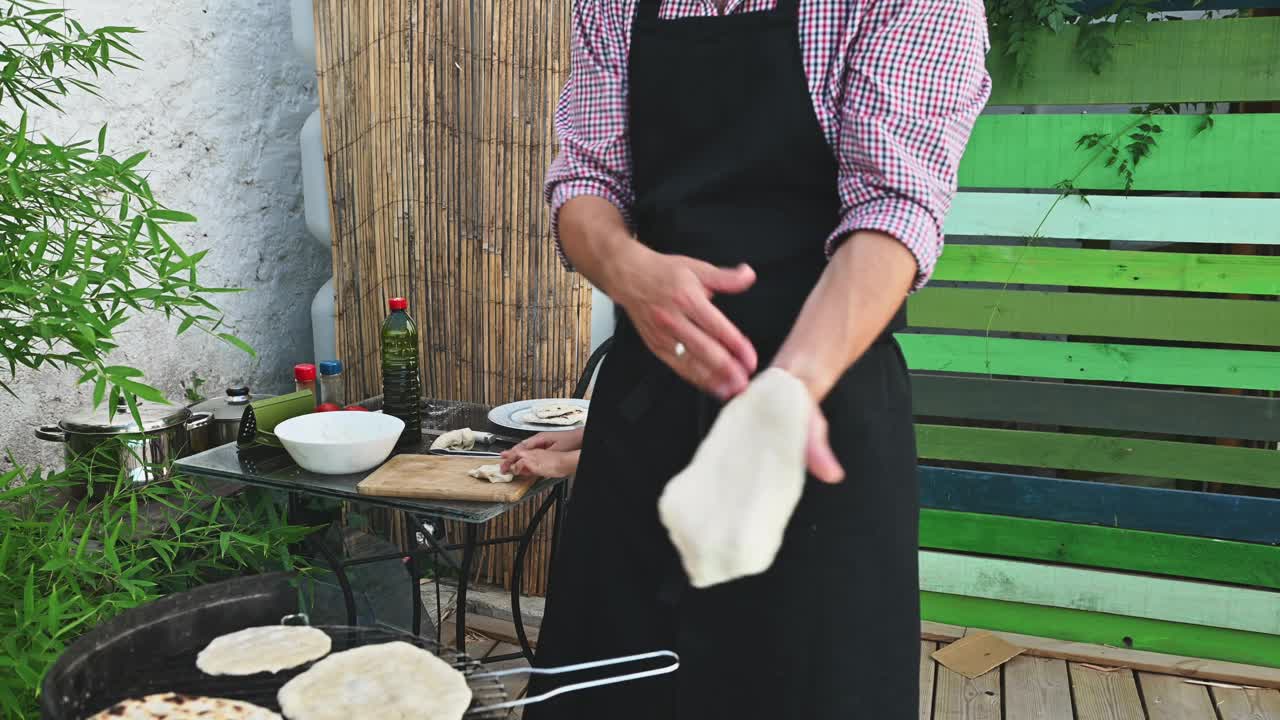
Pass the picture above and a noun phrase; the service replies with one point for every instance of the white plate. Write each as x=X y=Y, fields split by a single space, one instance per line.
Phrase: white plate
x=514 y=415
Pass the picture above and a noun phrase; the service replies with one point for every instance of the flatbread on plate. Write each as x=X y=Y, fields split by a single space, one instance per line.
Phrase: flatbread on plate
x=553 y=410
x=270 y=648
x=172 y=706
x=389 y=681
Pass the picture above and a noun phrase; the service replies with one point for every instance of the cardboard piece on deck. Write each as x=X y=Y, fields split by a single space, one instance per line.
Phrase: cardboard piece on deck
x=976 y=655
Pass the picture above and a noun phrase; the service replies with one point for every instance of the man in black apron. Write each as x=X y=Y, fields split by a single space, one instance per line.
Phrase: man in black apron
x=735 y=194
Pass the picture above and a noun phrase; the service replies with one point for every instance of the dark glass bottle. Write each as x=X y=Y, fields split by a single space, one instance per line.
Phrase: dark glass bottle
x=401 y=379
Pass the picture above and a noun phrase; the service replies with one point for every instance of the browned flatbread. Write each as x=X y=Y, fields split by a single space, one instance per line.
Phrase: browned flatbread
x=172 y=706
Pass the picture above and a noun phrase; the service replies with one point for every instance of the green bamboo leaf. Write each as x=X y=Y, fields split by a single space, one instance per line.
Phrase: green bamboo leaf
x=146 y=392
x=102 y=140
x=14 y=185
x=237 y=342
x=170 y=215
x=99 y=390
x=186 y=324
x=122 y=371
x=29 y=593
x=134 y=159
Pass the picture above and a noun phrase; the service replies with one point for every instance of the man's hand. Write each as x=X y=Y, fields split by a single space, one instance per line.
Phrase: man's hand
x=541 y=463
x=818 y=455
x=668 y=299
x=562 y=441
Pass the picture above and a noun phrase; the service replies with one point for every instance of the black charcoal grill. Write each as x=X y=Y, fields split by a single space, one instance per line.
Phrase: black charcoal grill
x=153 y=650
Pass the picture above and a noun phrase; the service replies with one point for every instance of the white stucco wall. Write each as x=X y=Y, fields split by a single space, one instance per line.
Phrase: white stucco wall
x=219 y=100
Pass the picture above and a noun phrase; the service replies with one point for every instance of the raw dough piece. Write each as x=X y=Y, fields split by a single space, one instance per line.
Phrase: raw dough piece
x=461 y=439
x=270 y=648
x=173 y=706
x=727 y=511
x=390 y=681
x=492 y=473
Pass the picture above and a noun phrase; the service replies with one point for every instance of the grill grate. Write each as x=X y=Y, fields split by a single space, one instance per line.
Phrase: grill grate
x=178 y=673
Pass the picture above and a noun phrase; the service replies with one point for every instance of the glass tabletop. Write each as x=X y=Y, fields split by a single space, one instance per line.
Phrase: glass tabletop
x=269 y=467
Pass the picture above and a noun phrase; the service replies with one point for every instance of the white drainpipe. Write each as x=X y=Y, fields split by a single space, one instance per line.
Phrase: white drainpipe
x=315 y=189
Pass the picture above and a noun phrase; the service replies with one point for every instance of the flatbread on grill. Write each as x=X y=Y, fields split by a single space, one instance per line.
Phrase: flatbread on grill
x=270 y=648
x=172 y=706
x=389 y=681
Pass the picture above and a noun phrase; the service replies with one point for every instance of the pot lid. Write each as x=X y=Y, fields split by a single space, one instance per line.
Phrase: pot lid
x=100 y=421
x=229 y=407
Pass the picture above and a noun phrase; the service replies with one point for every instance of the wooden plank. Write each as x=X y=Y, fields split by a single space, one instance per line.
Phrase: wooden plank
x=1121 y=269
x=1172 y=698
x=1102 y=407
x=1094 y=453
x=1198 y=61
x=1101 y=591
x=501 y=630
x=1235 y=156
x=1113 y=362
x=1105 y=695
x=959 y=698
x=1161 y=636
x=1101 y=547
x=1189 y=667
x=1247 y=703
x=928 y=673
x=1136 y=218
x=1200 y=320
x=1212 y=515
x=1037 y=688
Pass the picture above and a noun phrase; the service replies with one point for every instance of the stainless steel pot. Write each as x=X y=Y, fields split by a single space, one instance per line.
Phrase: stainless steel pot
x=113 y=441
x=227 y=412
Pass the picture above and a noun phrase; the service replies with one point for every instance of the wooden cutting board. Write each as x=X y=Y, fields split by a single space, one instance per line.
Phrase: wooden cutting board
x=440 y=477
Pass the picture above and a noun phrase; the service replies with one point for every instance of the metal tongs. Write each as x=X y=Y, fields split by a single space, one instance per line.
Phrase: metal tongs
x=669 y=668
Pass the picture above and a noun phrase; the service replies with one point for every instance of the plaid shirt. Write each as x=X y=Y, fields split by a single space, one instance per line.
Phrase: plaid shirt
x=896 y=85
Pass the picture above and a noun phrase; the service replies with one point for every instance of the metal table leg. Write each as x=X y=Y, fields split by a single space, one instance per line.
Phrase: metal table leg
x=468 y=553
x=415 y=581
x=517 y=570
x=316 y=541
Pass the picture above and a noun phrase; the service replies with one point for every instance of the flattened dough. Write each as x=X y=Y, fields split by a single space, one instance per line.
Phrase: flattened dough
x=460 y=439
x=390 y=681
x=172 y=706
x=727 y=511
x=270 y=648
x=492 y=473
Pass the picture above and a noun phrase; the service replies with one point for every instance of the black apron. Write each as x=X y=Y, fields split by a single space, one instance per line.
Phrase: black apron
x=730 y=166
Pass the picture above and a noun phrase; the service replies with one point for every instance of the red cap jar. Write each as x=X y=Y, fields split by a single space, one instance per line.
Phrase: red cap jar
x=398 y=303
x=304 y=372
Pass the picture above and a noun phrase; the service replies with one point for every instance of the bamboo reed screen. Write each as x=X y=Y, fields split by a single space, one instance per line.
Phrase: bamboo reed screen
x=437 y=135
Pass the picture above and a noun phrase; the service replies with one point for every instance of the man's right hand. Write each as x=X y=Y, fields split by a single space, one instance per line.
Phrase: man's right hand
x=668 y=299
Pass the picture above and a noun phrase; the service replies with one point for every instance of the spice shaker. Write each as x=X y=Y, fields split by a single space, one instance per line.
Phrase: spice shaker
x=332 y=385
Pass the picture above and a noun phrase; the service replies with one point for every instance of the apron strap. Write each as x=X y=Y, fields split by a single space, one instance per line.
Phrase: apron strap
x=787 y=8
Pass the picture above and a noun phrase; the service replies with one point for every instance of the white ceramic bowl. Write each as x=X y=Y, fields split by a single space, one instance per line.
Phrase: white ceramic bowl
x=340 y=442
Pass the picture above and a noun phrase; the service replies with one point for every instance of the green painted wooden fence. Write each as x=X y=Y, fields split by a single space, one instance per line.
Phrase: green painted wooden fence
x=1127 y=338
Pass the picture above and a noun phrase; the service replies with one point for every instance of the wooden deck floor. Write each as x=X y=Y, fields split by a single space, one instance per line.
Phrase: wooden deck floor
x=1025 y=688
x=1037 y=688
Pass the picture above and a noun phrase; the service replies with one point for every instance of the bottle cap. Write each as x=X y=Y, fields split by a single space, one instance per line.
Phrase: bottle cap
x=304 y=372
x=398 y=303
x=330 y=367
